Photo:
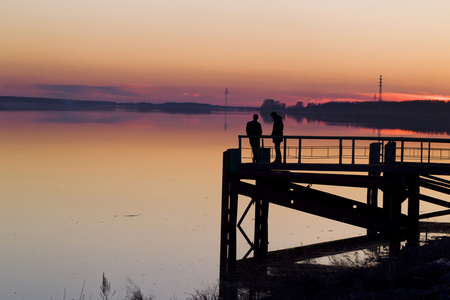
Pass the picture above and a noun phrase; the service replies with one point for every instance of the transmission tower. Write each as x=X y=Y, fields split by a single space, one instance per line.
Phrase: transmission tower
x=380 y=92
x=226 y=108
x=226 y=96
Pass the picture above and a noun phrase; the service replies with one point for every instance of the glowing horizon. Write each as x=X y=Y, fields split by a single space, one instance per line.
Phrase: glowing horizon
x=163 y=51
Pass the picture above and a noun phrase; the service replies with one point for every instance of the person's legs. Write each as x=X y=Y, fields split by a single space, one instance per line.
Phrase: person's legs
x=255 y=154
x=277 y=152
x=255 y=146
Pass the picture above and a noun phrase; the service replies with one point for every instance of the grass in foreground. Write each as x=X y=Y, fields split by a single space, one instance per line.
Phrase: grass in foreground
x=416 y=273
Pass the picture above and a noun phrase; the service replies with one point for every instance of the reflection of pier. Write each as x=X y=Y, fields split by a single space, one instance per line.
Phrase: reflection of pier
x=404 y=171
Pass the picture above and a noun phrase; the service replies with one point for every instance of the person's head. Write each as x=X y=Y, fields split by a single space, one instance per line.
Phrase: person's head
x=255 y=117
x=273 y=114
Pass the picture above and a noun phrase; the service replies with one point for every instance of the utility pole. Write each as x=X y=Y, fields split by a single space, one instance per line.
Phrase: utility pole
x=380 y=92
x=226 y=108
x=226 y=96
x=379 y=105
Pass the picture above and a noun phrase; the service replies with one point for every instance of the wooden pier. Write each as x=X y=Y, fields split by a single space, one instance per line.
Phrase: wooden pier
x=393 y=170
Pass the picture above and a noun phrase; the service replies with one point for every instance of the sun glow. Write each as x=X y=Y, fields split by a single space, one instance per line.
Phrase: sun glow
x=311 y=52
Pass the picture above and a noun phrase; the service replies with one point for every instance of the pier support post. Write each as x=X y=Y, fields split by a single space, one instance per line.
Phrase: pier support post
x=392 y=204
x=261 y=240
x=392 y=201
x=390 y=152
x=372 y=193
x=413 y=234
x=227 y=289
x=261 y=235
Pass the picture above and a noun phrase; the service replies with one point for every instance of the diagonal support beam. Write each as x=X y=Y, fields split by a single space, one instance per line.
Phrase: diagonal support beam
x=321 y=204
x=252 y=246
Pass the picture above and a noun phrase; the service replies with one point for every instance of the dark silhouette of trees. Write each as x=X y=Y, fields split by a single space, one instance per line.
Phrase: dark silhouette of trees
x=272 y=105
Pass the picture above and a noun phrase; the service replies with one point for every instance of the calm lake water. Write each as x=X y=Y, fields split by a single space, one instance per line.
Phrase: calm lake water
x=134 y=195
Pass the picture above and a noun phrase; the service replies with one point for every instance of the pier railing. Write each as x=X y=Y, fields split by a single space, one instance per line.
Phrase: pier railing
x=351 y=149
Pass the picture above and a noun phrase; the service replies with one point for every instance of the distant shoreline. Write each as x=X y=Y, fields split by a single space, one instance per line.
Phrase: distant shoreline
x=423 y=116
x=329 y=110
x=11 y=103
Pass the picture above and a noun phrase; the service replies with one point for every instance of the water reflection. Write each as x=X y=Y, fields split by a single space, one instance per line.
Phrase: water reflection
x=71 y=180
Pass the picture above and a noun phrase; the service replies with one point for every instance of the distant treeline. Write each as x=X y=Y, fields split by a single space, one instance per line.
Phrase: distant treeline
x=367 y=108
x=52 y=104
x=427 y=116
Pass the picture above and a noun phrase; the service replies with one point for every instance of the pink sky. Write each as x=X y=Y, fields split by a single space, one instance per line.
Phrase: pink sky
x=160 y=51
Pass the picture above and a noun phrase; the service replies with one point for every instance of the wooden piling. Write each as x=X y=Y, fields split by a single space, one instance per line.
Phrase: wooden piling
x=393 y=207
x=413 y=236
x=261 y=240
x=372 y=192
x=228 y=244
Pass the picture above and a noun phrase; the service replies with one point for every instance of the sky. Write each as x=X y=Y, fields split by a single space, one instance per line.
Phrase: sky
x=191 y=51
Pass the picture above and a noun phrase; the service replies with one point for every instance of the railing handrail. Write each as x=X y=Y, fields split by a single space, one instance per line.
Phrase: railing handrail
x=354 y=139
x=367 y=138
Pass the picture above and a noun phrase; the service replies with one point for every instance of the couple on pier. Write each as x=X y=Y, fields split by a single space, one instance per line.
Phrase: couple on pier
x=253 y=128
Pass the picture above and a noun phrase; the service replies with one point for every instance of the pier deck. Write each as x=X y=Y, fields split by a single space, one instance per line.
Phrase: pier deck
x=392 y=170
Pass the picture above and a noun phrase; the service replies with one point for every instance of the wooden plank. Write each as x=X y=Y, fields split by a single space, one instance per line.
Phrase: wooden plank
x=317 y=178
x=405 y=167
x=435 y=178
x=435 y=214
x=318 y=250
x=434 y=200
x=432 y=185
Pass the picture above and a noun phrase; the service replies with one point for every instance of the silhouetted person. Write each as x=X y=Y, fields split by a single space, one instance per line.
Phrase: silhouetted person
x=278 y=132
x=254 y=128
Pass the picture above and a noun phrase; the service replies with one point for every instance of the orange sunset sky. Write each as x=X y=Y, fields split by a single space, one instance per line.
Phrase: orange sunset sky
x=190 y=51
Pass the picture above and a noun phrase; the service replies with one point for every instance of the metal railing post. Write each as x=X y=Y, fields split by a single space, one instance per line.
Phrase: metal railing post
x=340 y=151
x=421 y=152
x=402 y=150
x=299 y=150
x=240 y=149
x=429 y=151
x=353 y=151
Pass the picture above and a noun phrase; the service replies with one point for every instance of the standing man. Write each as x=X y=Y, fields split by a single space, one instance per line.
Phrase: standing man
x=253 y=128
x=277 y=131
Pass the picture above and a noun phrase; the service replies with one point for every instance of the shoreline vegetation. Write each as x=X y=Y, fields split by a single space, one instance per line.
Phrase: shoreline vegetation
x=415 y=273
x=423 y=116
